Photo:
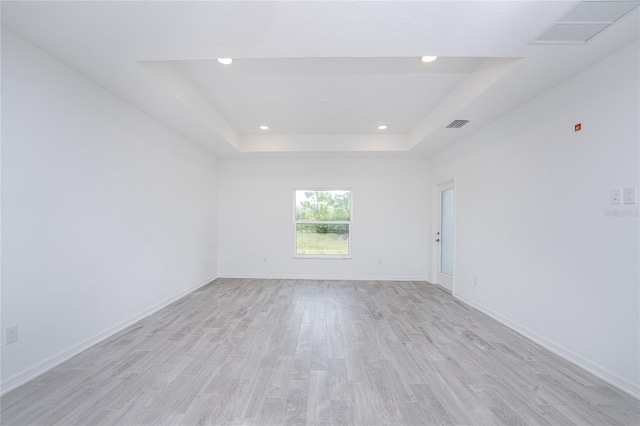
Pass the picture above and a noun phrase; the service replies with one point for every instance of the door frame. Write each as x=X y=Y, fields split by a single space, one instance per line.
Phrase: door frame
x=436 y=224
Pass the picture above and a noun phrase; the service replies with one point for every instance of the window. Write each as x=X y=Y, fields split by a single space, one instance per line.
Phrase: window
x=323 y=221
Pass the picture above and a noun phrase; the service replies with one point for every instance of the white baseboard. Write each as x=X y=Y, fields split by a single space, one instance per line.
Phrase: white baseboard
x=53 y=361
x=441 y=287
x=610 y=377
x=320 y=277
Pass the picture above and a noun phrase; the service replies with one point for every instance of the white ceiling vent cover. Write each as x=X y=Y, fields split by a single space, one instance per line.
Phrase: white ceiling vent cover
x=587 y=20
x=456 y=124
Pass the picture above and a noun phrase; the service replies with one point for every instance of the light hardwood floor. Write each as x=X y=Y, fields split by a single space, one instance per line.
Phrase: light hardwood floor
x=246 y=351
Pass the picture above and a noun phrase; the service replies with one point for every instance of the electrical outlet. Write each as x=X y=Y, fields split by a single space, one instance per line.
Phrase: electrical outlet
x=264 y=260
x=629 y=195
x=379 y=261
x=615 y=196
x=11 y=334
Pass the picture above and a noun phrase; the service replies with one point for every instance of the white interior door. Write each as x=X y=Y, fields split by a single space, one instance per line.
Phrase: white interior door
x=445 y=235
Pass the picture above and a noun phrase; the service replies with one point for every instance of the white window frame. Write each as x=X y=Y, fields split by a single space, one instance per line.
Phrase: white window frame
x=312 y=222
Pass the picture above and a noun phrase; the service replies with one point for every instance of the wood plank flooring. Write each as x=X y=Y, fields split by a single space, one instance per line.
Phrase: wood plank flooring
x=294 y=352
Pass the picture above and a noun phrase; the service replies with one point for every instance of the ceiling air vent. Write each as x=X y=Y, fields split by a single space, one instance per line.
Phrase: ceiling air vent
x=586 y=21
x=456 y=124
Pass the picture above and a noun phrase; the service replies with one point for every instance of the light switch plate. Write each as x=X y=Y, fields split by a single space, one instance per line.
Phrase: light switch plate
x=11 y=334
x=629 y=195
x=615 y=196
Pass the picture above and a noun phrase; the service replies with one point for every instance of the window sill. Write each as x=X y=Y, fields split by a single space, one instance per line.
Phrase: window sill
x=321 y=257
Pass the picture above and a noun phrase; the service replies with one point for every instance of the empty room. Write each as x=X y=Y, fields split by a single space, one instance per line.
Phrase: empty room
x=320 y=213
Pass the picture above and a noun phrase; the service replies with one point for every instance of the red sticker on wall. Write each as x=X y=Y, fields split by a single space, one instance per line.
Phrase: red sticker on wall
x=577 y=127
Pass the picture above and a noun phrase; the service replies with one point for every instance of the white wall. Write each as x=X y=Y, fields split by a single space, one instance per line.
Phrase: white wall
x=531 y=223
x=389 y=217
x=107 y=215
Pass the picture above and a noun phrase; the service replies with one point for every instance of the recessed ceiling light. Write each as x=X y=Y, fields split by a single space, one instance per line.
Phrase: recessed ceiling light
x=428 y=58
x=382 y=127
x=264 y=127
x=225 y=61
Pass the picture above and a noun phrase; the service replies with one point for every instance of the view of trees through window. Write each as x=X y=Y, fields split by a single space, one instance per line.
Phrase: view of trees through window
x=323 y=219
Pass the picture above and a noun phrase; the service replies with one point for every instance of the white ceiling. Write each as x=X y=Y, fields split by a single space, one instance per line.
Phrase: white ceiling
x=333 y=96
x=322 y=75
